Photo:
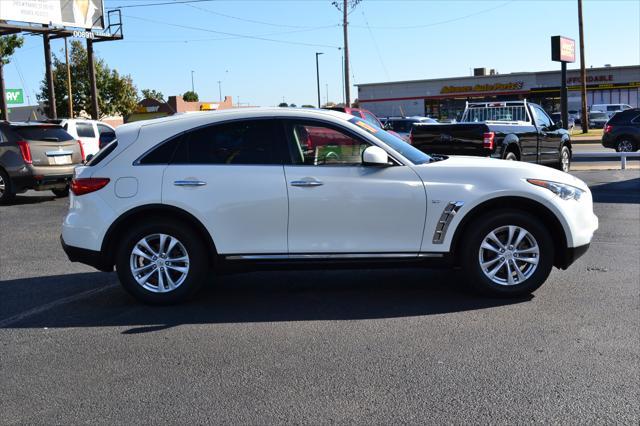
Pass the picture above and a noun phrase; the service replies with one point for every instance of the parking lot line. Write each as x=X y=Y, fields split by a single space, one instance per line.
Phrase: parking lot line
x=42 y=308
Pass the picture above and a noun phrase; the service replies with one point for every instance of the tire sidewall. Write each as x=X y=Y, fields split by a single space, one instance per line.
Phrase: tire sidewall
x=481 y=227
x=619 y=141
x=560 y=164
x=198 y=262
x=511 y=156
x=8 y=194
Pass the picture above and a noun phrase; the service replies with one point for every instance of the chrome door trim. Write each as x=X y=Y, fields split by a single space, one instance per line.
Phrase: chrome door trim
x=321 y=256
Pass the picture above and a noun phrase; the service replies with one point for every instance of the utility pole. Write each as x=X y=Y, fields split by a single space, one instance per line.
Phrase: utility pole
x=347 y=95
x=584 y=114
x=4 y=115
x=69 y=94
x=342 y=79
x=95 y=110
x=192 y=85
x=318 y=76
x=220 y=89
x=49 y=76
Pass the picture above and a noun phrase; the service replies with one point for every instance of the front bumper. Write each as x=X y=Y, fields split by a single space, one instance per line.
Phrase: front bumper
x=86 y=256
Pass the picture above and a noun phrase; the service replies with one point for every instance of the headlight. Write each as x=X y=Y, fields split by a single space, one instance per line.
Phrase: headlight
x=562 y=190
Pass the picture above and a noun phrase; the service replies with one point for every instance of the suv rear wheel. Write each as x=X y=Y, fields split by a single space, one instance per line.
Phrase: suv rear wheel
x=162 y=262
x=625 y=145
x=508 y=254
x=6 y=189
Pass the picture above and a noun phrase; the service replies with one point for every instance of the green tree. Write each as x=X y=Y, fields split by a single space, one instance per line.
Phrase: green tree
x=308 y=106
x=8 y=46
x=190 y=96
x=293 y=106
x=152 y=94
x=283 y=104
x=117 y=94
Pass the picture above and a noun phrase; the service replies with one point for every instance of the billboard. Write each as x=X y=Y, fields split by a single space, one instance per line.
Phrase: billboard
x=87 y=14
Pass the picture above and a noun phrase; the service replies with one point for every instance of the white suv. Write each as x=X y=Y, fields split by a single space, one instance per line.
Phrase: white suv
x=91 y=134
x=173 y=198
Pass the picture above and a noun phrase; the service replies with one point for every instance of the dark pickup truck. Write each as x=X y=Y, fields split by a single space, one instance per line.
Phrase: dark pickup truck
x=514 y=130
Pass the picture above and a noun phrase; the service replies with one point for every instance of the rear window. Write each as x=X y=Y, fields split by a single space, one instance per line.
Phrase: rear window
x=102 y=154
x=42 y=133
x=85 y=130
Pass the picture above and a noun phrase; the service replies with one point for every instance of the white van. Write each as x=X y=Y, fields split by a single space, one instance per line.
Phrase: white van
x=609 y=109
x=89 y=132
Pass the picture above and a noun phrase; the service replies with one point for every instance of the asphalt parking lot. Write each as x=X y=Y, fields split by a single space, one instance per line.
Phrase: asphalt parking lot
x=366 y=347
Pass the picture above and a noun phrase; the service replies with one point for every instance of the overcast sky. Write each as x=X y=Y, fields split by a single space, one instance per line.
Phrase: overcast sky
x=264 y=51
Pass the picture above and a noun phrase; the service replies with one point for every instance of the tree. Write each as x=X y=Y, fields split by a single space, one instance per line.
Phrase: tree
x=308 y=106
x=116 y=94
x=293 y=106
x=283 y=104
x=152 y=94
x=8 y=46
x=190 y=96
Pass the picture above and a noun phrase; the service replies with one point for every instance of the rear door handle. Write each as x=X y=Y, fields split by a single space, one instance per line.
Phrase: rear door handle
x=306 y=183
x=189 y=183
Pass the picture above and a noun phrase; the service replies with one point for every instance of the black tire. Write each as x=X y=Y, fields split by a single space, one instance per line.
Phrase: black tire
x=61 y=193
x=6 y=188
x=479 y=229
x=564 y=163
x=191 y=241
x=625 y=144
x=511 y=156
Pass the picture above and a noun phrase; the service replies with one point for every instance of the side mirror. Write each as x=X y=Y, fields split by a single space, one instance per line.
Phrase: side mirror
x=375 y=156
x=386 y=126
x=559 y=124
x=88 y=158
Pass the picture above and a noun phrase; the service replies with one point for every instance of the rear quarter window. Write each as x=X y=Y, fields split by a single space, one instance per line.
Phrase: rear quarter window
x=42 y=133
x=85 y=130
x=103 y=153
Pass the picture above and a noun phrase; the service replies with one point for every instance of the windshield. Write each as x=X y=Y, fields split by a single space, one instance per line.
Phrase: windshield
x=397 y=144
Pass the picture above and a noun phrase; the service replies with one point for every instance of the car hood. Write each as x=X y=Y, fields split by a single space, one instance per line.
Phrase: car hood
x=493 y=172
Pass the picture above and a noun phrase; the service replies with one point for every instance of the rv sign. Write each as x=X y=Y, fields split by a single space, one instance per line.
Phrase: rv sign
x=15 y=96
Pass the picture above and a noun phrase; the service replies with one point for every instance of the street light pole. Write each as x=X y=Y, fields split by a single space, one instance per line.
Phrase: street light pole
x=318 y=76
x=220 y=89
x=192 y=85
x=584 y=114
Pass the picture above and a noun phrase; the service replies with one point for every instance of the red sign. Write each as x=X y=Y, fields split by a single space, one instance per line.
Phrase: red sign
x=563 y=49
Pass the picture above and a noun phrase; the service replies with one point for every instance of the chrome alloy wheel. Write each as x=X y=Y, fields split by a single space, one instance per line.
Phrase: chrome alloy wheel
x=509 y=255
x=3 y=186
x=625 y=146
x=565 y=160
x=159 y=263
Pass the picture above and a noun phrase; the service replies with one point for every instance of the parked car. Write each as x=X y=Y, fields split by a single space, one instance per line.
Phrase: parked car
x=368 y=116
x=515 y=130
x=402 y=125
x=557 y=118
x=622 y=131
x=597 y=120
x=609 y=109
x=36 y=156
x=93 y=134
x=178 y=196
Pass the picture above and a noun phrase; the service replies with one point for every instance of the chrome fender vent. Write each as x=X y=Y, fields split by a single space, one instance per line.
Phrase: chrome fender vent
x=449 y=212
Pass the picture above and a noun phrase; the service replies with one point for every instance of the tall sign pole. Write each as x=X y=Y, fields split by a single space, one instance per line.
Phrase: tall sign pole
x=49 y=76
x=563 y=50
x=584 y=113
x=347 y=95
x=95 y=109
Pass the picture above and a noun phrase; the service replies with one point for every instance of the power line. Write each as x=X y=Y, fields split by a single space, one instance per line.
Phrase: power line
x=432 y=24
x=247 y=36
x=166 y=3
x=375 y=44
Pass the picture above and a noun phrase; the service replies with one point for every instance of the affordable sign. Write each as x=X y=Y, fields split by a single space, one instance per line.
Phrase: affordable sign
x=15 y=96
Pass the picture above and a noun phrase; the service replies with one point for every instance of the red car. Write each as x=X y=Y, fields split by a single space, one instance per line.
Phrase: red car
x=367 y=116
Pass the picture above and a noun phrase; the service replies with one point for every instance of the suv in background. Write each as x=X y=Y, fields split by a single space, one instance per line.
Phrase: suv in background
x=622 y=132
x=93 y=134
x=36 y=156
x=597 y=119
x=367 y=116
x=402 y=125
x=609 y=109
x=557 y=117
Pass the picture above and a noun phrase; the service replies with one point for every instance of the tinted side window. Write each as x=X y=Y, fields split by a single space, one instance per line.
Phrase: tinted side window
x=315 y=144
x=541 y=117
x=85 y=130
x=238 y=142
x=104 y=129
x=163 y=153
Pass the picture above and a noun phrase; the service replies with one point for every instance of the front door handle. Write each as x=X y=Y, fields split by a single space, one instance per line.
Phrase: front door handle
x=189 y=183
x=306 y=183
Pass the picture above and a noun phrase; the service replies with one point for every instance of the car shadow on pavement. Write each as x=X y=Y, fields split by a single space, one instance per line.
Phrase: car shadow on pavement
x=258 y=297
x=626 y=191
x=31 y=199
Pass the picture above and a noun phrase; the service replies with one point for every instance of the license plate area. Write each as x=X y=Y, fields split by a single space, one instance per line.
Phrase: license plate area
x=58 y=160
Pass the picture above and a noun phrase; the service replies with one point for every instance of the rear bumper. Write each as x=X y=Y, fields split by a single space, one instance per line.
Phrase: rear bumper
x=41 y=182
x=86 y=256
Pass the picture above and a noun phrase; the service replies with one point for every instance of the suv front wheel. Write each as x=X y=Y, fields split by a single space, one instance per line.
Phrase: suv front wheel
x=508 y=254
x=161 y=262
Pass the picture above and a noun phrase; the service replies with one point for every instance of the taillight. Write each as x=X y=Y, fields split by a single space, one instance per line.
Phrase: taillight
x=488 y=140
x=25 y=151
x=608 y=128
x=81 y=149
x=80 y=186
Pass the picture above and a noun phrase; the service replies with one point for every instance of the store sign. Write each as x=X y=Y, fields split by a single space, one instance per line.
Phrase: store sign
x=15 y=96
x=61 y=13
x=480 y=88
x=563 y=49
x=591 y=79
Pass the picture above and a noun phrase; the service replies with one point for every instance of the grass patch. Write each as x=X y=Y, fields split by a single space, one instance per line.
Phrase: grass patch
x=592 y=132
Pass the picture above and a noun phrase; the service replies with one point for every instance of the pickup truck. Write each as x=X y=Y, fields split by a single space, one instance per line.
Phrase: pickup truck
x=513 y=130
